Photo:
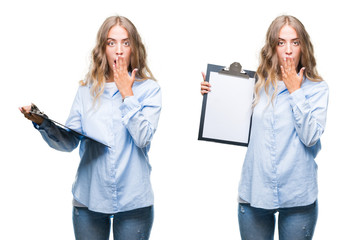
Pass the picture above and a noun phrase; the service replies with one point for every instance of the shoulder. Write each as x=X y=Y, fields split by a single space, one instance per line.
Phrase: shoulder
x=83 y=92
x=148 y=83
x=83 y=89
x=147 y=89
x=146 y=86
x=312 y=86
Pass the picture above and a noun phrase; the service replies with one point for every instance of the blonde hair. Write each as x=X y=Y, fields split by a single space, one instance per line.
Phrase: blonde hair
x=269 y=70
x=99 y=69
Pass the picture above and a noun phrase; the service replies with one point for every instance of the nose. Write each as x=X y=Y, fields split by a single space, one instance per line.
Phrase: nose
x=119 y=49
x=289 y=49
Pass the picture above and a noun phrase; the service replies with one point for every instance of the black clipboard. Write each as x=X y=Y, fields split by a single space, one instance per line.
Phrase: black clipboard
x=226 y=114
x=35 y=110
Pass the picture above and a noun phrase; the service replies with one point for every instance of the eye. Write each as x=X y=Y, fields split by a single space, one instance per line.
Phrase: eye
x=126 y=43
x=280 y=43
x=111 y=43
x=296 y=43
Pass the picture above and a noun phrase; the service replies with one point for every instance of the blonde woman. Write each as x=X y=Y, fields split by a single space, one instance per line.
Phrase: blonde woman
x=279 y=172
x=119 y=104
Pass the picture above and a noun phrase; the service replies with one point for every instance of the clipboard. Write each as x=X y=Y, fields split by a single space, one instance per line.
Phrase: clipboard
x=35 y=110
x=226 y=114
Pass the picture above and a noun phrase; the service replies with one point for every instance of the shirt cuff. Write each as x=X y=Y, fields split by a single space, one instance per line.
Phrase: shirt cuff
x=43 y=125
x=297 y=98
x=129 y=107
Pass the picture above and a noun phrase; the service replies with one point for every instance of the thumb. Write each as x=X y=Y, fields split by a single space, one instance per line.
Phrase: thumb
x=301 y=74
x=133 y=73
x=203 y=76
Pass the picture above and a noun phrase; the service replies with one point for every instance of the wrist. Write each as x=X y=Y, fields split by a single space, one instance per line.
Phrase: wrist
x=39 y=121
x=123 y=99
x=127 y=93
x=293 y=90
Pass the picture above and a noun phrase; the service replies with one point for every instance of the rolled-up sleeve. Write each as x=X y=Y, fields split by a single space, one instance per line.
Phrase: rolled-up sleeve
x=141 y=117
x=310 y=112
x=59 y=138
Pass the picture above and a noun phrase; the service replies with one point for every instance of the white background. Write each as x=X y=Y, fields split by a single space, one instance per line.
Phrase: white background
x=45 y=48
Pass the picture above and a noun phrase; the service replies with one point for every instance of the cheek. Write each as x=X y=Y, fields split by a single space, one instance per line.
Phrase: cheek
x=109 y=54
x=280 y=55
x=110 y=58
x=297 y=57
x=127 y=55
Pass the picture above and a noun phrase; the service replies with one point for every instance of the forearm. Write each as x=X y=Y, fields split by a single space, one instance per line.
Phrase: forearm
x=309 y=115
x=57 y=137
x=141 y=121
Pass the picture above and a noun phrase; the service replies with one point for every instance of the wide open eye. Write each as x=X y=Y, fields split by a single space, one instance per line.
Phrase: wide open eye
x=111 y=43
x=280 y=43
x=296 y=43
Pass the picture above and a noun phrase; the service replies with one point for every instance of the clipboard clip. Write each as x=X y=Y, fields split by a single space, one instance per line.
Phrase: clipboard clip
x=235 y=69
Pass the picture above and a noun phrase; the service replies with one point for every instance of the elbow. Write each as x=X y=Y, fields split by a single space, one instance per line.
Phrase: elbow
x=62 y=148
x=310 y=143
x=143 y=142
x=144 y=139
x=312 y=139
x=69 y=149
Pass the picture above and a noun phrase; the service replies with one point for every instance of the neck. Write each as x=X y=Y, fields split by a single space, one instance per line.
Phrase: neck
x=110 y=77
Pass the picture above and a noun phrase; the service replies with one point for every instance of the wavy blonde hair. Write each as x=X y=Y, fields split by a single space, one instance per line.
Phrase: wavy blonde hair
x=99 y=69
x=269 y=70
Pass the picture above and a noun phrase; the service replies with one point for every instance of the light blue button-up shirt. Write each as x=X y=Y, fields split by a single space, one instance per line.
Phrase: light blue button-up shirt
x=114 y=179
x=279 y=169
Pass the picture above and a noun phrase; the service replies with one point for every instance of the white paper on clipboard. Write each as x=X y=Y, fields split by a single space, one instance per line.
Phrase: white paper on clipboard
x=228 y=109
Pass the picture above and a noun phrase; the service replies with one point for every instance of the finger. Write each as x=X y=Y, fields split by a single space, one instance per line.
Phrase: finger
x=285 y=65
x=27 y=116
x=205 y=84
x=114 y=65
x=25 y=109
x=118 y=64
x=204 y=91
x=121 y=64
x=205 y=88
x=115 y=71
x=282 y=71
x=292 y=64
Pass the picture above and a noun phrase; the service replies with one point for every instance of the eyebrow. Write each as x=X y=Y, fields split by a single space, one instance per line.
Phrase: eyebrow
x=290 y=39
x=125 y=39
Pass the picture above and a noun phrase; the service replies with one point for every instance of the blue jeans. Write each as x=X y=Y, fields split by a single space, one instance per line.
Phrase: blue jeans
x=293 y=223
x=130 y=225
